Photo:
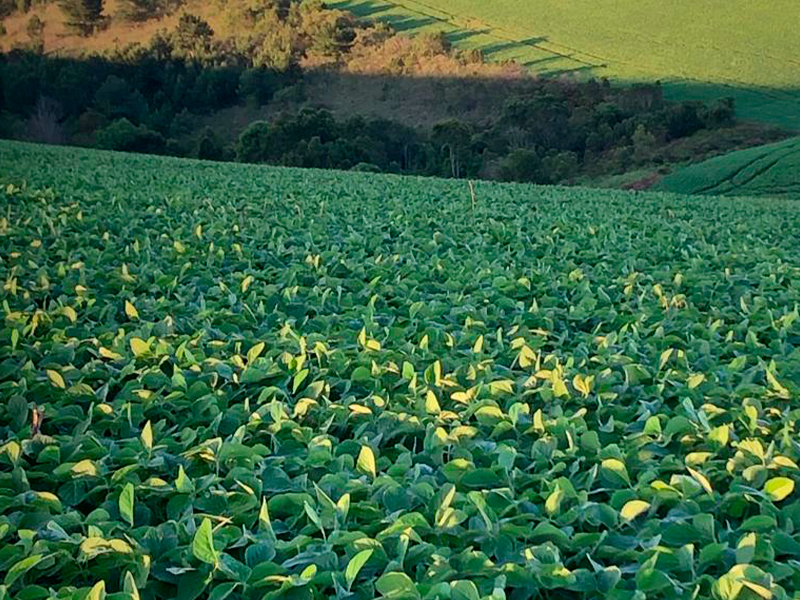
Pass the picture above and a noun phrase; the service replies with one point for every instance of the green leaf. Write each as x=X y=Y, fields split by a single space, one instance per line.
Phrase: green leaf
x=223 y=590
x=312 y=514
x=366 y=461
x=355 y=565
x=126 y=500
x=192 y=583
x=130 y=587
x=778 y=488
x=183 y=483
x=361 y=374
x=298 y=380
x=203 y=544
x=396 y=586
x=464 y=590
x=21 y=567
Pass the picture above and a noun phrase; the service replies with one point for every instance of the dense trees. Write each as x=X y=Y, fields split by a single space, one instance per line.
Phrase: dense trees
x=155 y=102
x=314 y=138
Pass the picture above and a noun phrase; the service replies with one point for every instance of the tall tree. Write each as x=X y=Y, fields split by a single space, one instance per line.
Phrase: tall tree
x=82 y=16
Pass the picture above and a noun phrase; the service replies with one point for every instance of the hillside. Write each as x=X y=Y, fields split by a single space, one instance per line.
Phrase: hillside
x=769 y=170
x=234 y=381
x=703 y=49
x=706 y=51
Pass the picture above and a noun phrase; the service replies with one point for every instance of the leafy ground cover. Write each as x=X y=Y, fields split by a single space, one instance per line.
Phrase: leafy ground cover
x=769 y=170
x=703 y=50
x=230 y=381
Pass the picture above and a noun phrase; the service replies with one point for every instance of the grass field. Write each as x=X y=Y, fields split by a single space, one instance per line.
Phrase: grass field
x=229 y=381
x=770 y=170
x=702 y=49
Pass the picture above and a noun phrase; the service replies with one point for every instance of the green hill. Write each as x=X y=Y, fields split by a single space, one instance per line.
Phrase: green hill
x=702 y=49
x=770 y=170
x=231 y=381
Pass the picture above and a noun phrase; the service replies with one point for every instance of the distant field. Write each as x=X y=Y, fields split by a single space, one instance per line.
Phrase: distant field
x=770 y=170
x=711 y=49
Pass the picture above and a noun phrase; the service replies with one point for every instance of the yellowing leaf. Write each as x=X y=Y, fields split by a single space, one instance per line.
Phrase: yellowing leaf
x=84 y=468
x=779 y=488
x=126 y=275
x=559 y=387
x=366 y=461
x=302 y=407
x=697 y=458
x=527 y=357
x=665 y=355
x=359 y=409
x=70 y=313
x=616 y=469
x=462 y=397
x=139 y=346
x=131 y=311
x=98 y=591
x=776 y=386
x=432 y=404
x=109 y=354
x=702 y=480
x=255 y=352
x=478 y=345
x=147 y=436
x=583 y=384
x=56 y=379
x=501 y=386
x=783 y=461
x=538 y=420
x=553 y=502
x=246 y=282
x=695 y=380
x=633 y=509
x=758 y=589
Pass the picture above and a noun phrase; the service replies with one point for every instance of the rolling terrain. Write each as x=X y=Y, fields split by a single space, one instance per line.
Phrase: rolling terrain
x=234 y=381
x=701 y=50
x=769 y=170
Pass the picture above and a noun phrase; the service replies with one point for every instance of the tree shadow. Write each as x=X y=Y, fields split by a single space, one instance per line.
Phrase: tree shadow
x=507 y=45
x=461 y=35
x=403 y=23
x=362 y=8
